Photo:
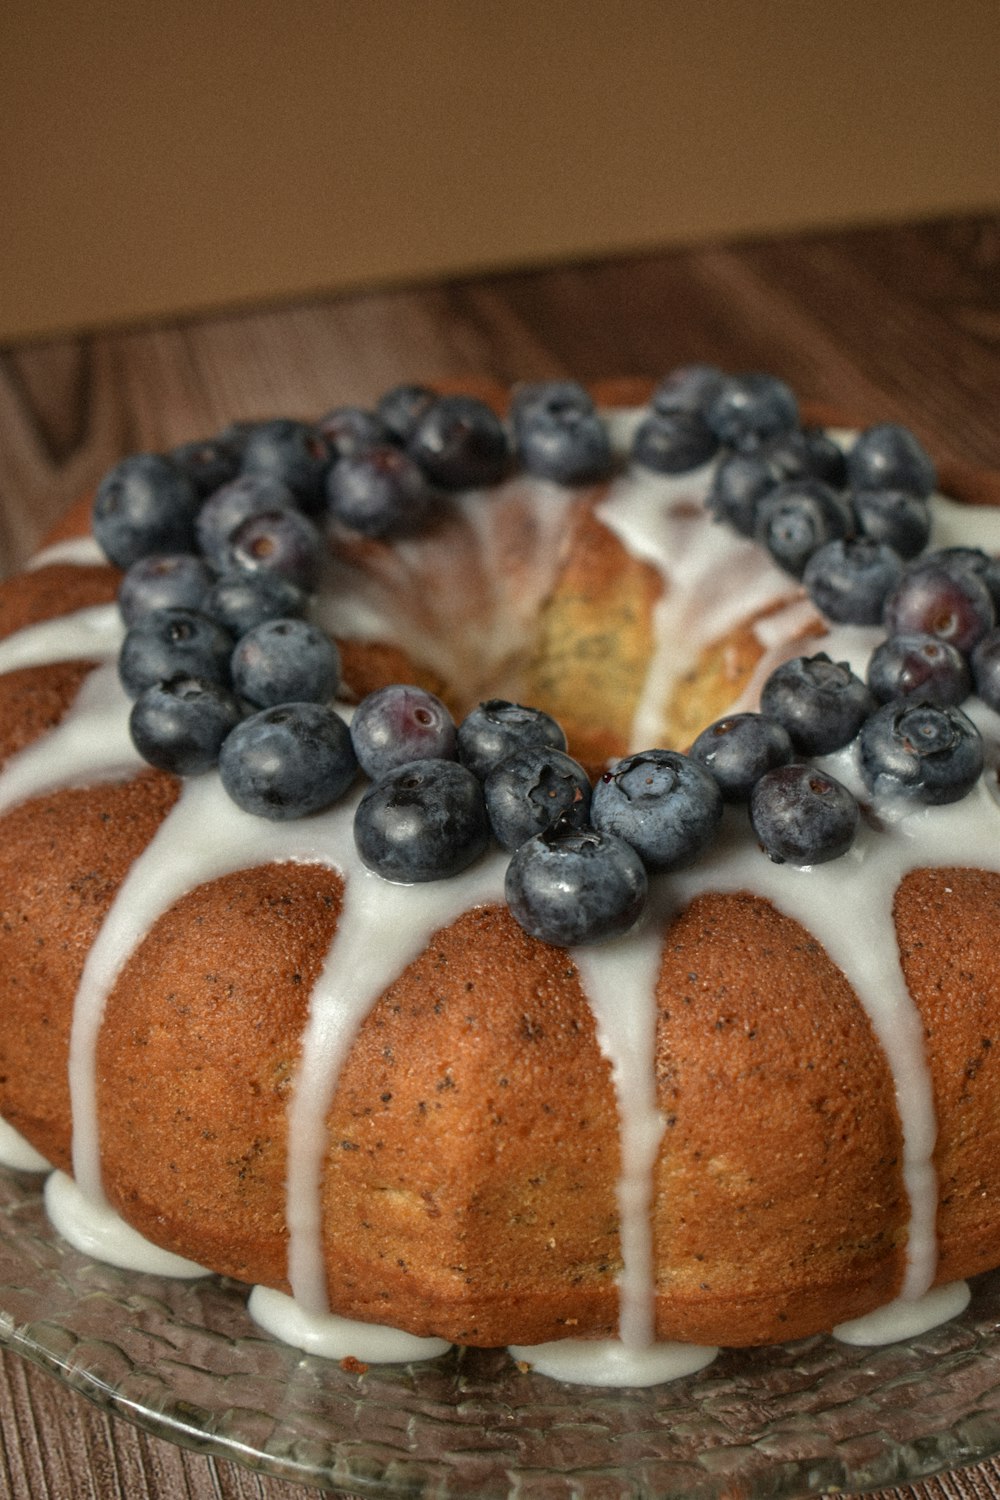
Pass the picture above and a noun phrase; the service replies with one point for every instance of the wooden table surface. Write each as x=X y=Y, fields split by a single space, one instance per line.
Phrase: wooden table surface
x=900 y=323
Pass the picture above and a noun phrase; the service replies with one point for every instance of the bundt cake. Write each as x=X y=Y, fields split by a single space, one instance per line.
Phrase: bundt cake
x=770 y=1108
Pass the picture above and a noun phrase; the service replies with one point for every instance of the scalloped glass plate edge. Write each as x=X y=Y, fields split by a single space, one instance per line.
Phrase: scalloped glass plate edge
x=182 y=1361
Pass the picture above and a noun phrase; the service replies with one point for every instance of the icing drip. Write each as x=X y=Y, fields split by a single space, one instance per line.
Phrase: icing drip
x=337 y=1338
x=96 y=632
x=203 y=837
x=19 y=1154
x=382 y=929
x=902 y=1319
x=619 y=979
x=713 y=579
x=79 y=551
x=608 y=1362
x=90 y=744
x=96 y=1230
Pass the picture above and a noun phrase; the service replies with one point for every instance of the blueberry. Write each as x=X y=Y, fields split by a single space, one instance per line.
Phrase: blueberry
x=179 y=725
x=289 y=761
x=163 y=581
x=239 y=600
x=796 y=519
x=689 y=388
x=666 y=805
x=294 y=453
x=743 y=480
x=751 y=408
x=889 y=457
x=236 y=434
x=531 y=791
x=423 y=821
x=351 y=429
x=808 y=452
x=850 y=580
x=460 y=443
x=398 y=724
x=568 y=447
x=496 y=728
x=226 y=510
x=961 y=560
x=380 y=492
x=170 y=643
x=904 y=666
x=557 y=399
x=739 y=486
x=401 y=408
x=986 y=668
x=821 y=703
x=285 y=661
x=921 y=752
x=895 y=517
x=144 y=504
x=673 y=442
x=208 y=462
x=737 y=750
x=570 y=886
x=803 y=816
x=277 y=541
x=952 y=604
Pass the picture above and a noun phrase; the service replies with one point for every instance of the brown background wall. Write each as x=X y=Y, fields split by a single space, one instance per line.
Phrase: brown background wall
x=161 y=156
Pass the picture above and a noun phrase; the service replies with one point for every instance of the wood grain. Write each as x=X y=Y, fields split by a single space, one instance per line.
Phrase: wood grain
x=885 y=323
x=900 y=323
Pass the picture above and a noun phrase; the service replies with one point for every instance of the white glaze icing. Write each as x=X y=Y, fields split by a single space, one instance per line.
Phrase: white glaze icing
x=90 y=744
x=337 y=1338
x=78 y=551
x=906 y=1318
x=19 y=1154
x=954 y=525
x=712 y=579
x=93 y=633
x=612 y=1362
x=464 y=599
x=626 y=1034
x=96 y=1230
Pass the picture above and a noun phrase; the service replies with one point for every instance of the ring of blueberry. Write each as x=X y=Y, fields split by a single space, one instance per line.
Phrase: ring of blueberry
x=222 y=541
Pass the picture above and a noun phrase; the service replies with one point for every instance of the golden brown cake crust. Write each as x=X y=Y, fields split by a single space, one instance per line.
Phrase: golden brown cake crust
x=781 y=1130
x=470 y=1182
x=34 y=699
x=53 y=590
x=62 y=860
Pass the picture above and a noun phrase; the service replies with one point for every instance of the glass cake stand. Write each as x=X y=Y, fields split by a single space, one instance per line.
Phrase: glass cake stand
x=183 y=1361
